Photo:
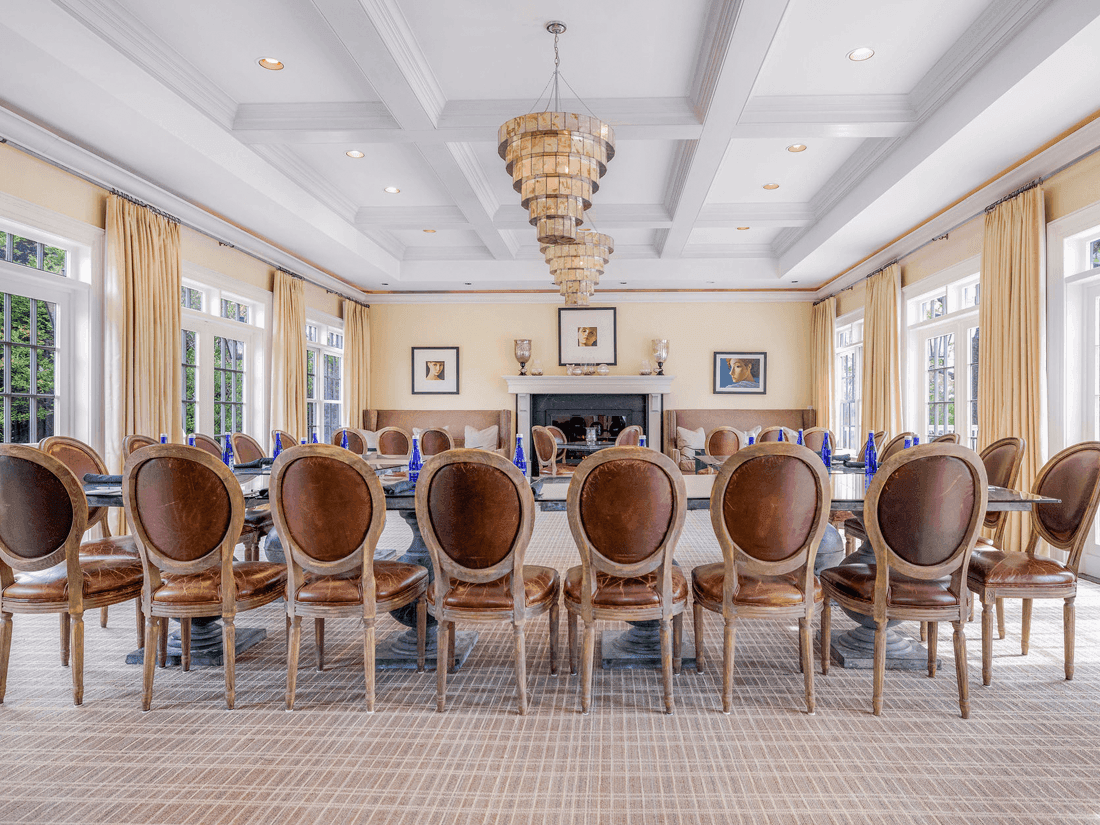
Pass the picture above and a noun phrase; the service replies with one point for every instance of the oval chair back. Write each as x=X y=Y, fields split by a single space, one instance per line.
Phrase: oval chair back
x=81 y=459
x=1003 y=460
x=246 y=449
x=723 y=442
x=394 y=442
x=772 y=434
x=946 y=438
x=135 y=442
x=208 y=444
x=434 y=441
x=630 y=436
x=357 y=442
x=546 y=449
x=559 y=437
x=894 y=445
x=1073 y=476
x=815 y=436
x=286 y=439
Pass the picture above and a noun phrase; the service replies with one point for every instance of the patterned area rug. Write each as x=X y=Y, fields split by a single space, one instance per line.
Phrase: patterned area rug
x=1029 y=753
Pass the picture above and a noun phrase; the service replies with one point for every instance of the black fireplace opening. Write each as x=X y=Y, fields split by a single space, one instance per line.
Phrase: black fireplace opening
x=574 y=413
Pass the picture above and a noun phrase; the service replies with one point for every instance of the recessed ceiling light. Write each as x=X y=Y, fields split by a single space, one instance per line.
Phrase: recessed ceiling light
x=270 y=63
x=622 y=283
x=393 y=190
x=771 y=185
x=429 y=231
x=385 y=284
x=862 y=53
x=742 y=228
x=468 y=283
x=797 y=147
x=794 y=282
x=710 y=282
x=353 y=153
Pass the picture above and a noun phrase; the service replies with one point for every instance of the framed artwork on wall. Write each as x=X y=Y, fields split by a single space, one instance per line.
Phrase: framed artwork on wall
x=741 y=373
x=435 y=370
x=586 y=335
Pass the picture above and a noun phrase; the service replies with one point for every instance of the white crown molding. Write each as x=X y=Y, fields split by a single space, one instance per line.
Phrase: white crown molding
x=132 y=38
x=603 y=215
x=44 y=224
x=678 y=172
x=471 y=169
x=826 y=116
x=589 y=384
x=606 y=297
x=717 y=215
x=312 y=182
x=311 y=121
x=413 y=64
x=387 y=240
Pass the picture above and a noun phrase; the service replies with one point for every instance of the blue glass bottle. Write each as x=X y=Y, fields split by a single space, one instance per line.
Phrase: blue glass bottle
x=190 y=439
x=908 y=442
x=415 y=462
x=826 y=449
x=870 y=455
x=641 y=441
x=916 y=441
x=344 y=438
x=303 y=442
x=315 y=438
x=801 y=442
x=520 y=460
x=164 y=438
x=780 y=434
x=752 y=440
x=278 y=445
x=227 y=452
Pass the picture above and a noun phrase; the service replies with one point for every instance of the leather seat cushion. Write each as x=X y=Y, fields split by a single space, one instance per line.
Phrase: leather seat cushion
x=260 y=517
x=857 y=581
x=101 y=575
x=996 y=568
x=115 y=546
x=613 y=591
x=255 y=579
x=392 y=579
x=755 y=591
x=540 y=584
x=854 y=527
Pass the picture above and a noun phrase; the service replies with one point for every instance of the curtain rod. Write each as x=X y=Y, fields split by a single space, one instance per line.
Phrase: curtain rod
x=942 y=237
x=99 y=184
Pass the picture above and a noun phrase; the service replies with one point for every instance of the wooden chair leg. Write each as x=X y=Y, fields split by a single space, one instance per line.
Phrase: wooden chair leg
x=961 y=671
x=152 y=628
x=571 y=639
x=421 y=631
x=588 y=657
x=677 y=643
x=697 y=620
x=140 y=622
x=880 y=668
x=924 y=631
x=286 y=638
x=1025 y=628
x=826 y=630
x=65 y=639
x=933 y=633
x=103 y=616
x=294 y=644
x=368 y=661
x=185 y=643
x=452 y=666
x=162 y=642
x=800 y=651
x=521 y=667
x=5 y=652
x=1068 y=622
x=78 y=658
x=554 y=654
x=807 y=646
x=229 y=641
x=1000 y=617
x=442 y=638
x=319 y=641
x=729 y=633
x=987 y=639
x=666 y=662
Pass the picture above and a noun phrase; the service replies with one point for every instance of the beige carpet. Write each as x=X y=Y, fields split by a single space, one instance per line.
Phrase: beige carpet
x=1029 y=753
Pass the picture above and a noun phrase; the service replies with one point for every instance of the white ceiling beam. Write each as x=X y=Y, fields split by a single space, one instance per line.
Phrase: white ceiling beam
x=825 y=116
x=379 y=40
x=717 y=215
x=741 y=33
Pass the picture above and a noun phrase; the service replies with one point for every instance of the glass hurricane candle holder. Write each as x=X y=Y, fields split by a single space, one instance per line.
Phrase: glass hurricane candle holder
x=523 y=353
x=660 y=354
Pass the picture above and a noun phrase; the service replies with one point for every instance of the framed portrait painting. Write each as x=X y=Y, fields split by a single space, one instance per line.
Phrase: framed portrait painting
x=586 y=335
x=741 y=373
x=435 y=370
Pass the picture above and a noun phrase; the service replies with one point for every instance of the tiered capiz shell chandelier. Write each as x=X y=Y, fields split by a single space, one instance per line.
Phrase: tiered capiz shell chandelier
x=556 y=160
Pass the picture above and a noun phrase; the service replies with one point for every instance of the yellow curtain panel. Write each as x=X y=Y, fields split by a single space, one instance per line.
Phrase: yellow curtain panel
x=288 y=357
x=823 y=359
x=356 y=362
x=881 y=353
x=1011 y=397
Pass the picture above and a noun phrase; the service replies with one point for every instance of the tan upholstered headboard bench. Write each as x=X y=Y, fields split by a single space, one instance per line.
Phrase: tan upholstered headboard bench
x=456 y=422
x=741 y=419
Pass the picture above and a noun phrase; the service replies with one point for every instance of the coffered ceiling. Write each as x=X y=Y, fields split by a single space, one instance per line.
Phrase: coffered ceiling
x=705 y=97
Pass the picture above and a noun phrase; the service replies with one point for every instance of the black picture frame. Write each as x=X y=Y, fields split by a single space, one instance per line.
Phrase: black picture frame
x=754 y=365
x=573 y=322
x=423 y=382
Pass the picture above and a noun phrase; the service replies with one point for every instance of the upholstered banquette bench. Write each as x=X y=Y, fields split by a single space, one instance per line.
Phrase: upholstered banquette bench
x=746 y=421
x=455 y=421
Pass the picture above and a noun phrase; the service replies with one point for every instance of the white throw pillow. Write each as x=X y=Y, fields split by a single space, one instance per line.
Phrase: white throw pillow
x=481 y=439
x=744 y=434
x=418 y=431
x=371 y=437
x=688 y=442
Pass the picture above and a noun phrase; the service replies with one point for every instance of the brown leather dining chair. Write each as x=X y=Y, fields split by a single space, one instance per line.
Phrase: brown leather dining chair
x=208 y=444
x=394 y=442
x=1003 y=460
x=723 y=442
x=246 y=449
x=330 y=511
x=630 y=436
x=286 y=440
x=135 y=442
x=923 y=511
x=476 y=512
x=82 y=459
x=43 y=515
x=626 y=512
x=258 y=519
x=434 y=441
x=814 y=437
x=894 y=445
x=559 y=437
x=186 y=510
x=1073 y=476
x=854 y=529
x=946 y=438
x=256 y=524
x=546 y=452
x=768 y=549
x=357 y=442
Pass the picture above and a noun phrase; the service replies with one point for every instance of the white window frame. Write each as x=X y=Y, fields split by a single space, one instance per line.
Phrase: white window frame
x=950 y=282
x=256 y=337
x=325 y=324
x=854 y=321
x=78 y=375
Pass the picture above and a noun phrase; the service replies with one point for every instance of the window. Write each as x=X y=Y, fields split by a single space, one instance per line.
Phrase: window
x=32 y=253
x=190 y=380
x=191 y=298
x=943 y=356
x=28 y=358
x=849 y=375
x=324 y=378
x=229 y=385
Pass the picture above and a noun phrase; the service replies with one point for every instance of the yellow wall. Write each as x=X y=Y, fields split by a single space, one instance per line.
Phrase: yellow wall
x=484 y=335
